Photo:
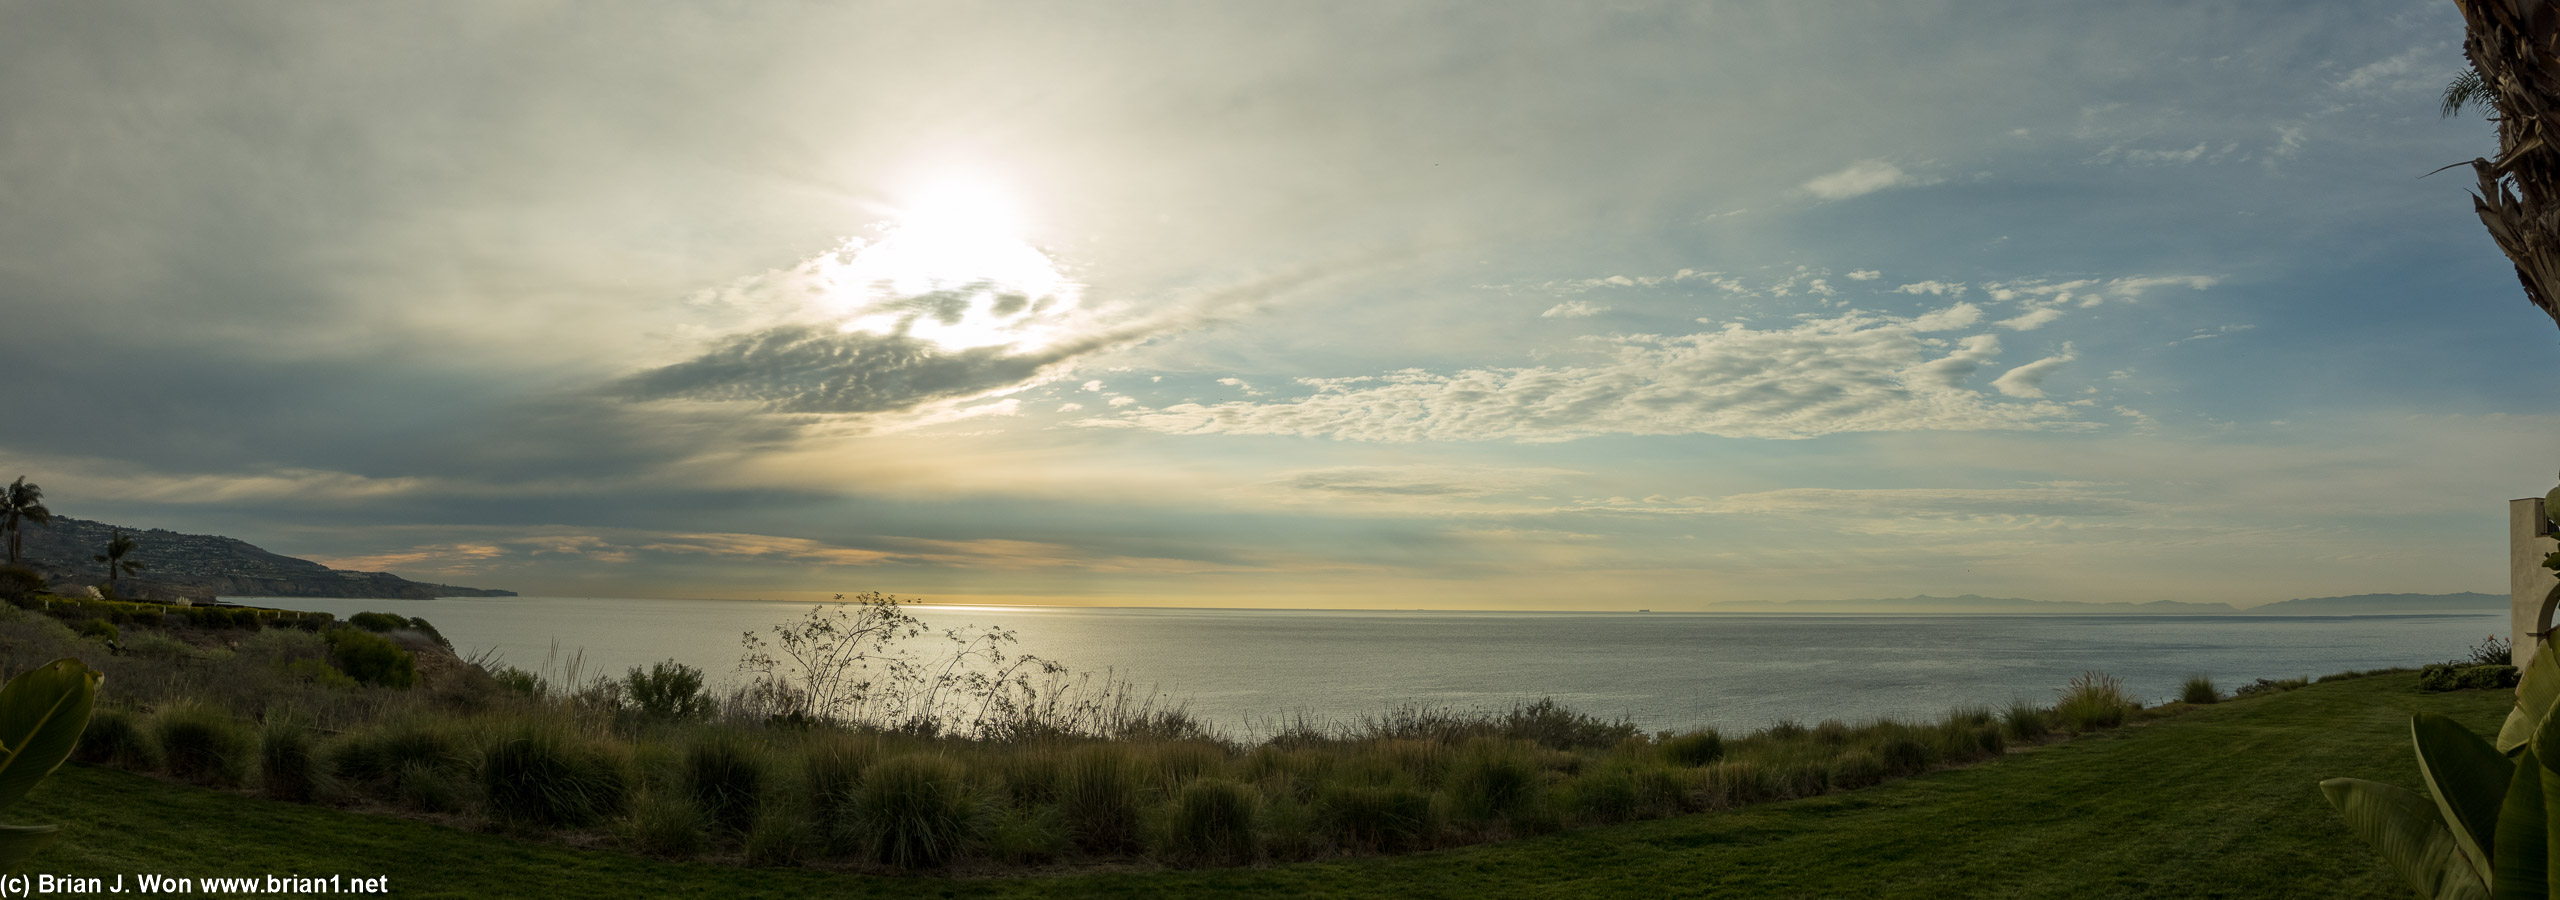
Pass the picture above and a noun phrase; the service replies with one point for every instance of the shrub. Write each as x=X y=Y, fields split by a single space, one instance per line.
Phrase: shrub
x=1856 y=769
x=20 y=582
x=2488 y=677
x=154 y=645
x=2491 y=651
x=371 y=659
x=1032 y=774
x=1028 y=835
x=667 y=691
x=913 y=812
x=2026 y=722
x=1606 y=794
x=1385 y=818
x=1492 y=779
x=538 y=777
x=726 y=777
x=204 y=744
x=1695 y=748
x=2270 y=686
x=665 y=823
x=317 y=672
x=1179 y=764
x=288 y=770
x=427 y=787
x=1550 y=724
x=832 y=769
x=378 y=622
x=1102 y=798
x=2093 y=702
x=1291 y=829
x=1213 y=821
x=2199 y=690
x=1786 y=730
x=1903 y=754
x=115 y=737
x=100 y=629
x=778 y=838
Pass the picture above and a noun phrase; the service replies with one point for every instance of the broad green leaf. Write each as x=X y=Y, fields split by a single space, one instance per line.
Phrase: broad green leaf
x=2405 y=828
x=2469 y=779
x=18 y=841
x=2534 y=697
x=42 y=714
x=2520 y=868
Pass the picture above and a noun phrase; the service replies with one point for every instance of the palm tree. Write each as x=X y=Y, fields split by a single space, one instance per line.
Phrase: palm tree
x=2515 y=74
x=21 y=502
x=119 y=545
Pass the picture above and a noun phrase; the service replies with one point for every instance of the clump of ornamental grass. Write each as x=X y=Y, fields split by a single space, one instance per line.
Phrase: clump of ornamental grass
x=1492 y=779
x=428 y=787
x=288 y=766
x=1386 y=818
x=204 y=744
x=2199 y=689
x=780 y=837
x=831 y=768
x=1213 y=821
x=1178 y=764
x=1101 y=798
x=726 y=775
x=2026 y=722
x=668 y=824
x=2093 y=702
x=1694 y=749
x=115 y=737
x=538 y=777
x=1028 y=835
x=914 y=812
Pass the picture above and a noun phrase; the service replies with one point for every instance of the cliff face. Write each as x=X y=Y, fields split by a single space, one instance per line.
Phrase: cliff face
x=203 y=566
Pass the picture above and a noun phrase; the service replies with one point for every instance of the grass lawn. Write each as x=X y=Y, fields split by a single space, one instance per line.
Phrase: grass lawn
x=2219 y=802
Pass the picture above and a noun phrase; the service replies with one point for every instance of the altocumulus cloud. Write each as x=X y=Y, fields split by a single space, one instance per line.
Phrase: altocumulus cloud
x=814 y=369
x=1854 y=372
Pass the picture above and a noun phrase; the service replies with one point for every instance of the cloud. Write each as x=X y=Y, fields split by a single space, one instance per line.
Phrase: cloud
x=1865 y=275
x=1954 y=369
x=1822 y=376
x=2028 y=380
x=808 y=369
x=1908 y=503
x=2133 y=288
x=1572 y=309
x=1416 y=481
x=1958 y=316
x=1242 y=385
x=1862 y=178
x=1934 y=288
x=2032 y=319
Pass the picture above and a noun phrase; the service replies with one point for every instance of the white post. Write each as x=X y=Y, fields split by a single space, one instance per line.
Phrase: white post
x=2529 y=539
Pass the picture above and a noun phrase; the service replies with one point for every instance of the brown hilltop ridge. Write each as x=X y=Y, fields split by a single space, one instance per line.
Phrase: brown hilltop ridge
x=204 y=566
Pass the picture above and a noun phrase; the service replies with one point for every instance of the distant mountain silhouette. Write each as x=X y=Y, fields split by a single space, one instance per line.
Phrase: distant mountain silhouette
x=201 y=567
x=2360 y=604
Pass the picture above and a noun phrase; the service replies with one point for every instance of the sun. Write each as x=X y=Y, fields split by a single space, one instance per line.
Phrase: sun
x=953 y=268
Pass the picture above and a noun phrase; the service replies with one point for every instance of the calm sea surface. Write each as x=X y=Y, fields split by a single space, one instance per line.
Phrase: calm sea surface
x=1238 y=668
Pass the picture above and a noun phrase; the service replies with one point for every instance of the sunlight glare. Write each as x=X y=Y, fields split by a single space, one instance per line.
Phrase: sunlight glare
x=953 y=269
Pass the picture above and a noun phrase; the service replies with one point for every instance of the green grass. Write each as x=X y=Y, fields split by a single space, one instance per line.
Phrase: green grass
x=2218 y=801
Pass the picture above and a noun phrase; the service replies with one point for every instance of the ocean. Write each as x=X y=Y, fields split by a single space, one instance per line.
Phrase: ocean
x=1245 y=670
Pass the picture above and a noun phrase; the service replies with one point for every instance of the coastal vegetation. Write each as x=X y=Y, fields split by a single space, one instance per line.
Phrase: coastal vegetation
x=2215 y=801
x=862 y=740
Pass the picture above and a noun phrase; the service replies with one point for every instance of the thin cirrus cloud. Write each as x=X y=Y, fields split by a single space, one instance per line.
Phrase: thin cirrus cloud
x=1862 y=178
x=1850 y=373
x=2028 y=380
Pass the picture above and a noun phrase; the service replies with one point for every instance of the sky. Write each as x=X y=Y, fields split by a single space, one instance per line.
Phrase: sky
x=1402 y=305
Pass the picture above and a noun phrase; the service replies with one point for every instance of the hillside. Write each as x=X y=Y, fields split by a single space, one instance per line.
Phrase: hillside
x=203 y=566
